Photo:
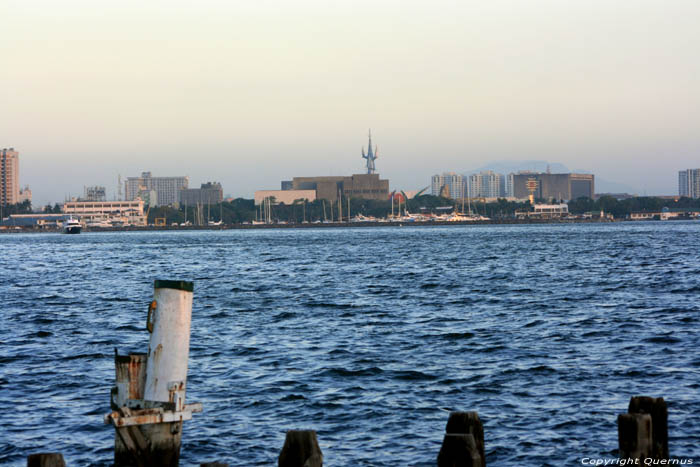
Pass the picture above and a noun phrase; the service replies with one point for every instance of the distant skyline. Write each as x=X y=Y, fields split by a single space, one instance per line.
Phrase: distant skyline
x=251 y=93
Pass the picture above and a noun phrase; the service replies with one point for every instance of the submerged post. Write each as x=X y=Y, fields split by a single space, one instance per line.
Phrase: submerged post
x=634 y=436
x=149 y=400
x=658 y=410
x=300 y=449
x=47 y=459
x=463 y=444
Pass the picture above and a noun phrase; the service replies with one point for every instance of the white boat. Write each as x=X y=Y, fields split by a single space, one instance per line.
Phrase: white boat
x=72 y=226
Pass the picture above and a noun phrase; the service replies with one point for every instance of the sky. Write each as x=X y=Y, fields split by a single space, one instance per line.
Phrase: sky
x=249 y=93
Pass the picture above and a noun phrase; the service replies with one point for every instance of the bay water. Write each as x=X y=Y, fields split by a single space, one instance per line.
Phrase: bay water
x=370 y=336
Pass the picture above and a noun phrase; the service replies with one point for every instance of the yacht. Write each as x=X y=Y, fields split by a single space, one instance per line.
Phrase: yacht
x=72 y=226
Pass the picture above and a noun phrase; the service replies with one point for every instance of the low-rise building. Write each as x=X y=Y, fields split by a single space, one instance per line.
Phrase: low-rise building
x=666 y=214
x=120 y=212
x=366 y=186
x=545 y=211
x=284 y=196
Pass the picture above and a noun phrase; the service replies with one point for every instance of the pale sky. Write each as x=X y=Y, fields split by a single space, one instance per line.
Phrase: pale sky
x=249 y=93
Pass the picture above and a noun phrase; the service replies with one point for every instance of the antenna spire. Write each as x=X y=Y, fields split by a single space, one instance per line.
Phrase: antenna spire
x=371 y=155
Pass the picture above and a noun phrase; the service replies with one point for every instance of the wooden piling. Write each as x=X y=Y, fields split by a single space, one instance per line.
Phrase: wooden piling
x=300 y=449
x=464 y=441
x=46 y=459
x=459 y=450
x=657 y=408
x=634 y=436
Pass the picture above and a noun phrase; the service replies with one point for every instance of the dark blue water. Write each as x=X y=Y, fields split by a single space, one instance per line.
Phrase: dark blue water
x=369 y=336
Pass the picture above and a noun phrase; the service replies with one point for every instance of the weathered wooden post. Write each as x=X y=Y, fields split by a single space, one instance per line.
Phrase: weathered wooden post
x=46 y=459
x=634 y=436
x=300 y=449
x=149 y=400
x=463 y=444
x=643 y=431
x=657 y=408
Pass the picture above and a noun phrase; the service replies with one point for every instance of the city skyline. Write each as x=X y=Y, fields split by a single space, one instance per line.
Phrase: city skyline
x=268 y=91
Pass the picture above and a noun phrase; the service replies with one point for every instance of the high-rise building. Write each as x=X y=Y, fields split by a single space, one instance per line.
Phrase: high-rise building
x=689 y=183
x=456 y=185
x=487 y=185
x=509 y=186
x=9 y=176
x=95 y=193
x=553 y=186
x=166 y=188
x=209 y=193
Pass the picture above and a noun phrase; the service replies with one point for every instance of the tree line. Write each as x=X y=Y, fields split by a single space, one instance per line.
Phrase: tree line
x=242 y=210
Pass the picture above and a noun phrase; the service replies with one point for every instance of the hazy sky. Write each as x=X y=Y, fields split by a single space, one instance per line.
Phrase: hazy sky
x=252 y=92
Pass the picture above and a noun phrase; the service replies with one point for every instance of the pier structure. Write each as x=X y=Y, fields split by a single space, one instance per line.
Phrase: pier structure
x=148 y=401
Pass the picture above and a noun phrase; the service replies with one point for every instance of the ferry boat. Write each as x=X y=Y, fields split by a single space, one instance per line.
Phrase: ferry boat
x=72 y=226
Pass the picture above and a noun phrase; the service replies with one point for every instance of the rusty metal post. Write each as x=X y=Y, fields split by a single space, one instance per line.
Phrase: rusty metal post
x=131 y=380
x=149 y=401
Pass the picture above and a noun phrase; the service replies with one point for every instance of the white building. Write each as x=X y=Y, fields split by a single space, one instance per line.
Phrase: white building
x=122 y=212
x=689 y=183
x=487 y=185
x=166 y=188
x=456 y=185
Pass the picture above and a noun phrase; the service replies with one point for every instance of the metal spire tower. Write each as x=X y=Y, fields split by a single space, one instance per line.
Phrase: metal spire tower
x=371 y=155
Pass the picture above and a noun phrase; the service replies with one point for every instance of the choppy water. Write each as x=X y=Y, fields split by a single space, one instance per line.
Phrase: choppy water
x=369 y=336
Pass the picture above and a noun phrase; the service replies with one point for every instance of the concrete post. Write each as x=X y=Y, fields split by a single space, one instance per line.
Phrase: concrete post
x=657 y=408
x=634 y=436
x=300 y=449
x=50 y=459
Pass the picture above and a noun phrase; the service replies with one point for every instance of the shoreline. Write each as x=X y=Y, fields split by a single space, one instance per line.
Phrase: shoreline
x=152 y=228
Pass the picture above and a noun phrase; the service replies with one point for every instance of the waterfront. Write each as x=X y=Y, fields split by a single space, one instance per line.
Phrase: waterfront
x=369 y=336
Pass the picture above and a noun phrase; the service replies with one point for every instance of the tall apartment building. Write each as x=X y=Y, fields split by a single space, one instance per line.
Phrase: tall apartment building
x=9 y=176
x=166 y=189
x=689 y=183
x=487 y=185
x=510 y=178
x=456 y=185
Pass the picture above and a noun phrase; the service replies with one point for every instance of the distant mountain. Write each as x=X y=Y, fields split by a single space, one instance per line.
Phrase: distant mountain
x=605 y=186
x=506 y=167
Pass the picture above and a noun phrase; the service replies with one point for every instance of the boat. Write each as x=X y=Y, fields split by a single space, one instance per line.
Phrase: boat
x=72 y=226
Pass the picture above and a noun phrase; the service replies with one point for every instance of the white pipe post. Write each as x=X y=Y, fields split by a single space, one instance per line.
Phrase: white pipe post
x=168 y=350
